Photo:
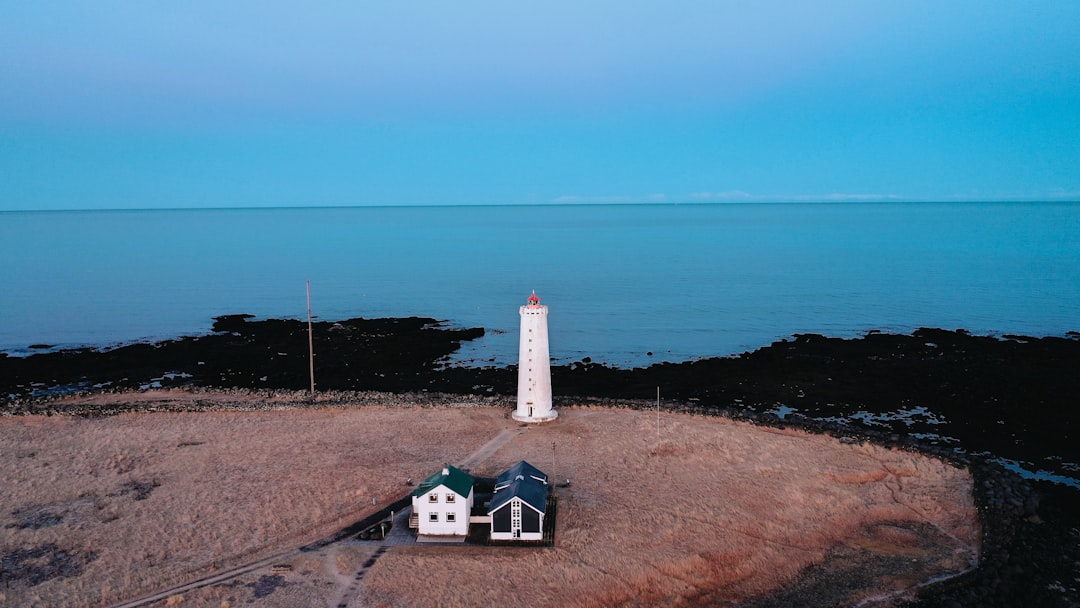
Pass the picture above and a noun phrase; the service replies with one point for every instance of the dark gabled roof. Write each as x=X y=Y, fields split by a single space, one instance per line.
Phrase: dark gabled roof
x=453 y=478
x=532 y=492
x=521 y=468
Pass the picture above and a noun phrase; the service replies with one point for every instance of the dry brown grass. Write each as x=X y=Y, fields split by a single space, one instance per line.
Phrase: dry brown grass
x=713 y=512
x=234 y=486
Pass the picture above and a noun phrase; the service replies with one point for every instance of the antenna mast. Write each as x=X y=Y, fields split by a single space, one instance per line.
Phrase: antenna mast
x=310 y=342
x=552 y=462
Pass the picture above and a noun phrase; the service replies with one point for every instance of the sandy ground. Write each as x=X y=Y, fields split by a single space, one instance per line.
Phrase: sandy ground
x=98 y=510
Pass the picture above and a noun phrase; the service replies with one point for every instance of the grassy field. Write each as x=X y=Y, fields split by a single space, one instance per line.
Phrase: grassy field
x=96 y=510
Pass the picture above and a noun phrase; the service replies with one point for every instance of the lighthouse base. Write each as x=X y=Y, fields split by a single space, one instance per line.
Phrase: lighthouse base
x=546 y=417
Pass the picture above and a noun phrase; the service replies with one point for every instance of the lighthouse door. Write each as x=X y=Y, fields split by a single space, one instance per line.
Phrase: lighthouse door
x=515 y=518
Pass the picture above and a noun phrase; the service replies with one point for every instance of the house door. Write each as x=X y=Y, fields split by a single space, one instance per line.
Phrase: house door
x=515 y=518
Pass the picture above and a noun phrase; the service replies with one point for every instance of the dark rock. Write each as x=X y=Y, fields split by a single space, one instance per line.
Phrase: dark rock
x=231 y=323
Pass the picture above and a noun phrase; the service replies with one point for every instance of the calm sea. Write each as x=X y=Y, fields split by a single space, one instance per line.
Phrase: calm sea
x=679 y=281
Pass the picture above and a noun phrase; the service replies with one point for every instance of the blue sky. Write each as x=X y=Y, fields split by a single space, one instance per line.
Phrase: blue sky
x=209 y=104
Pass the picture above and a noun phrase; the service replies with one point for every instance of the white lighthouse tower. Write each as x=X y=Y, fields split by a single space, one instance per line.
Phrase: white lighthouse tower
x=534 y=365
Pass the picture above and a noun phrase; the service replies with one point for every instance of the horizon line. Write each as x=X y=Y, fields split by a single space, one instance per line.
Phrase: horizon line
x=579 y=202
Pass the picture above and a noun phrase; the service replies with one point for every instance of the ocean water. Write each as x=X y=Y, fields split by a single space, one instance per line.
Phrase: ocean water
x=622 y=281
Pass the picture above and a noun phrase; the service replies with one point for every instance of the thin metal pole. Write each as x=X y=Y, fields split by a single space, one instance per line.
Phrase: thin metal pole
x=658 y=412
x=311 y=342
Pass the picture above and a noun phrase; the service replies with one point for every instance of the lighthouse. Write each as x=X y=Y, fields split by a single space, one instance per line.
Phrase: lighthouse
x=534 y=365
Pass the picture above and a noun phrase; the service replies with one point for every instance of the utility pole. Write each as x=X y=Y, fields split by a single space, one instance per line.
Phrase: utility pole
x=553 y=462
x=311 y=343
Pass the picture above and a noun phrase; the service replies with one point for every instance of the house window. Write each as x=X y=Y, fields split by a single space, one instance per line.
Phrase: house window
x=433 y=497
x=450 y=498
x=433 y=517
x=451 y=517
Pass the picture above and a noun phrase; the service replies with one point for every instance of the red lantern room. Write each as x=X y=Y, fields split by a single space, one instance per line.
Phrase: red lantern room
x=534 y=300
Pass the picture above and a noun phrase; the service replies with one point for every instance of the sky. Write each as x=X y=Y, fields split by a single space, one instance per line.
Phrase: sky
x=115 y=105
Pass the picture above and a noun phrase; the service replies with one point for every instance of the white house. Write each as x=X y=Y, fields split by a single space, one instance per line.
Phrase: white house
x=519 y=504
x=442 y=503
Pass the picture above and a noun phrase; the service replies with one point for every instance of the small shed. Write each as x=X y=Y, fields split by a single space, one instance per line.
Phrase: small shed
x=442 y=503
x=519 y=504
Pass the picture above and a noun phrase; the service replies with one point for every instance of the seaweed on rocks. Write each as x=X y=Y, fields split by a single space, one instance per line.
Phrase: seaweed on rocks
x=371 y=354
x=1015 y=399
x=1030 y=546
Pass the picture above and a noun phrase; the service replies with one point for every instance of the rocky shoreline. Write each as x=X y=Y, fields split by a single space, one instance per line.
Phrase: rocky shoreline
x=968 y=399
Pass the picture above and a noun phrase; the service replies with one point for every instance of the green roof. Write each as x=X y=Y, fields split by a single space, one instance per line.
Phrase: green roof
x=456 y=479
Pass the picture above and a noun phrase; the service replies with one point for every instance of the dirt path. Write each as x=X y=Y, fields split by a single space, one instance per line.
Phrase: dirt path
x=208 y=581
x=485 y=451
x=349 y=597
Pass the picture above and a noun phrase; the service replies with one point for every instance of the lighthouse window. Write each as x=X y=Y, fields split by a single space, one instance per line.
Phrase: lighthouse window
x=433 y=497
x=449 y=498
x=433 y=516
x=451 y=517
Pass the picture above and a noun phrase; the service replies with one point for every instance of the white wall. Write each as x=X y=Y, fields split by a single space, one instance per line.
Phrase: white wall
x=461 y=508
x=524 y=535
x=534 y=365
